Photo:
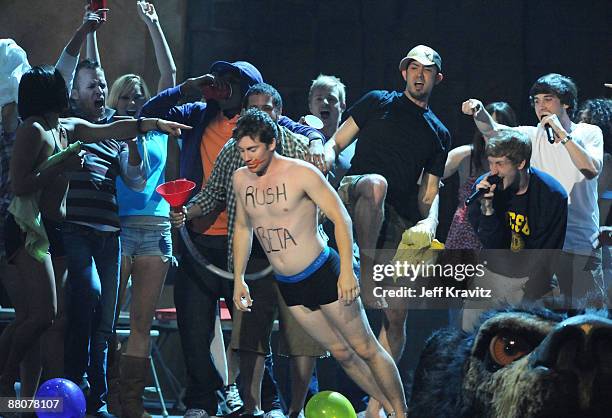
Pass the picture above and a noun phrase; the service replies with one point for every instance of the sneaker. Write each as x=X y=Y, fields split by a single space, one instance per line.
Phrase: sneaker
x=196 y=413
x=233 y=401
x=297 y=414
x=275 y=413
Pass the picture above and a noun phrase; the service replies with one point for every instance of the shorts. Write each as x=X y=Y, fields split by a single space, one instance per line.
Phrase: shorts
x=319 y=288
x=393 y=225
x=146 y=239
x=346 y=190
x=251 y=331
x=15 y=238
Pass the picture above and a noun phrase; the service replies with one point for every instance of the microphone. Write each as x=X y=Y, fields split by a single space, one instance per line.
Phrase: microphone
x=549 y=133
x=494 y=179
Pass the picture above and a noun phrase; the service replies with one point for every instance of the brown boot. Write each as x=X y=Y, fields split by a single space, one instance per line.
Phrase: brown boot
x=134 y=372
x=113 y=377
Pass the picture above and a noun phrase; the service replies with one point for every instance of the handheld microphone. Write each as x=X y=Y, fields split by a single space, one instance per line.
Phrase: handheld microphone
x=549 y=133
x=494 y=179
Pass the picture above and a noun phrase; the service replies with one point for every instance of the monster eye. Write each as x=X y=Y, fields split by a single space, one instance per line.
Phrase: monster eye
x=506 y=348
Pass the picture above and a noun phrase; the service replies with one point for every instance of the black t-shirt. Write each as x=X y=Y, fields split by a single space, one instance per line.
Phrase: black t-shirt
x=398 y=140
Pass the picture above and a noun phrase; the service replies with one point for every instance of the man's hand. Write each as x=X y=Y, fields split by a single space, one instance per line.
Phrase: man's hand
x=420 y=235
x=486 y=202
x=242 y=296
x=316 y=154
x=74 y=162
x=348 y=287
x=171 y=128
x=554 y=122
x=146 y=12
x=329 y=157
x=178 y=219
x=194 y=86
x=471 y=106
x=92 y=20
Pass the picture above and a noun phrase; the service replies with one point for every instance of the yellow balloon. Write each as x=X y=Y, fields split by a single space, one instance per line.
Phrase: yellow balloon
x=328 y=404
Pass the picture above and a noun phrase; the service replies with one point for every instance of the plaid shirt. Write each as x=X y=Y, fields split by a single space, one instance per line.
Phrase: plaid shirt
x=6 y=149
x=219 y=189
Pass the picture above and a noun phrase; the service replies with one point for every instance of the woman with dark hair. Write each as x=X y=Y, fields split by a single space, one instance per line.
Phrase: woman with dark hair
x=470 y=161
x=43 y=97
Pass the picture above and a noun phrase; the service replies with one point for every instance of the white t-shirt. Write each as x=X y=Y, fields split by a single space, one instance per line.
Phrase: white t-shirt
x=583 y=212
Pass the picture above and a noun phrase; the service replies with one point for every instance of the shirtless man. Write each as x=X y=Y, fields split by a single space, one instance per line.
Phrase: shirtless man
x=277 y=199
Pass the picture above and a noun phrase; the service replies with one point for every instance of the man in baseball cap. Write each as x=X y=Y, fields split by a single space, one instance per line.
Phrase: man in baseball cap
x=423 y=54
x=399 y=138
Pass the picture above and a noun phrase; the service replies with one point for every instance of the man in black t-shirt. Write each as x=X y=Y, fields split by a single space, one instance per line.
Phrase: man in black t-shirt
x=400 y=142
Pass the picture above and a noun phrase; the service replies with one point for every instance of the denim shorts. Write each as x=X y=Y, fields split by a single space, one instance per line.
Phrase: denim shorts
x=145 y=238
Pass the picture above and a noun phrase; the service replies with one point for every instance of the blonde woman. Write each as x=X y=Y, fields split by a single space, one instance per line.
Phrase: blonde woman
x=146 y=243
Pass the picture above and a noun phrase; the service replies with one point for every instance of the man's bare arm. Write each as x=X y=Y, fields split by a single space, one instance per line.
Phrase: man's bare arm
x=483 y=119
x=343 y=137
x=428 y=196
x=243 y=235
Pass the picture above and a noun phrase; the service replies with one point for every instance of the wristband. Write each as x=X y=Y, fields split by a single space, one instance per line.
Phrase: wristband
x=566 y=139
x=316 y=138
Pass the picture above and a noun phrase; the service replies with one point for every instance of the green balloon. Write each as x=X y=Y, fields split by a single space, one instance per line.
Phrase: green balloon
x=328 y=404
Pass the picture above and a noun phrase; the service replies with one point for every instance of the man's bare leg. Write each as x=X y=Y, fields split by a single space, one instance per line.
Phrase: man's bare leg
x=392 y=337
x=353 y=324
x=251 y=371
x=317 y=324
x=301 y=373
x=370 y=192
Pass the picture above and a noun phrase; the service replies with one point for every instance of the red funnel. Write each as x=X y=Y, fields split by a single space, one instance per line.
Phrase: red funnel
x=176 y=192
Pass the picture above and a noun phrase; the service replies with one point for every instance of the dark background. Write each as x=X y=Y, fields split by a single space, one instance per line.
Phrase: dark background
x=492 y=50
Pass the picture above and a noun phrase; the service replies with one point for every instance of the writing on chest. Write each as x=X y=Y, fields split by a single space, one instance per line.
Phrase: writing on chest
x=257 y=196
x=274 y=239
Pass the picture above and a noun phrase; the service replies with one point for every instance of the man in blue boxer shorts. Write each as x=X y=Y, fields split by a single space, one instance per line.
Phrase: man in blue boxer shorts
x=277 y=199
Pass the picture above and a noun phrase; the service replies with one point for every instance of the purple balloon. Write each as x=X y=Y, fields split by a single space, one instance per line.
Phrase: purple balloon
x=72 y=398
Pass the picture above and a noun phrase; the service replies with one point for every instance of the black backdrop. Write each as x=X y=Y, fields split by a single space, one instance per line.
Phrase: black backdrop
x=491 y=49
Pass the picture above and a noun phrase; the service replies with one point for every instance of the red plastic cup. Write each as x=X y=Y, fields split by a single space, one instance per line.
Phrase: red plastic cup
x=96 y=5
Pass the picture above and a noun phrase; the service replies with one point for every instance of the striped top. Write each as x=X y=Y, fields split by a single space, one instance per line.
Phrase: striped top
x=92 y=197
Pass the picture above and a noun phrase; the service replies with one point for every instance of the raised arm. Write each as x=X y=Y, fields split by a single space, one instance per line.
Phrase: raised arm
x=483 y=119
x=91 y=46
x=243 y=235
x=69 y=58
x=163 y=55
x=344 y=136
x=323 y=195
